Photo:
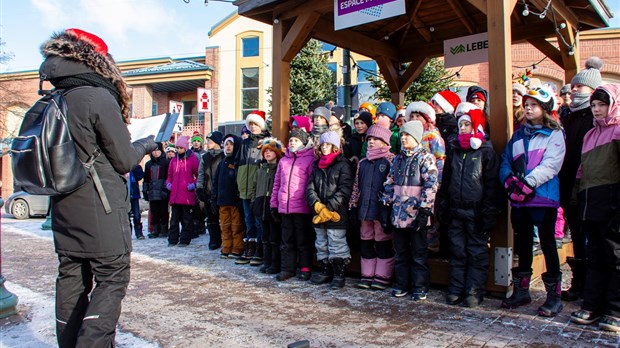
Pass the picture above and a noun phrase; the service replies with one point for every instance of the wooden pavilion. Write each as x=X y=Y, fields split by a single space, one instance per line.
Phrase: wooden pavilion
x=417 y=36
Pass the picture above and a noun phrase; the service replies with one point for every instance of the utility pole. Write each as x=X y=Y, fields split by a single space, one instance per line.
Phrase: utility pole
x=346 y=78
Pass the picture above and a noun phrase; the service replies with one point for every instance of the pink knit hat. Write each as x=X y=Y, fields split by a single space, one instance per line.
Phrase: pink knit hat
x=380 y=132
x=183 y=142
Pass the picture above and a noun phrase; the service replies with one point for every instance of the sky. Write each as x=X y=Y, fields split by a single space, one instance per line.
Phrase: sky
x=132 y=29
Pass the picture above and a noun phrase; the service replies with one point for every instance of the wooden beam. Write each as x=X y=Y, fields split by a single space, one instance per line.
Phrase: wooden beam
x=463 y=16
x=589 y=18
x=389 y=71
x=570 y=61
x=500 y=106
x=422 y=29
x=481 y=5
x=290 y=10
x=430 y=50
x=281 y=92
x=560 y=10
x=413 y=71
x=356 y=42
x=548 y=49
x=298 y=35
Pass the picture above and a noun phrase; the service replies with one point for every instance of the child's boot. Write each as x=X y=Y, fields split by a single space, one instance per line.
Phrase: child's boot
x=521 y=291
x=257 y=258
x=553 y=304
x=266 y=257
x=340 y=270
x=575 y=292
x=325 y=275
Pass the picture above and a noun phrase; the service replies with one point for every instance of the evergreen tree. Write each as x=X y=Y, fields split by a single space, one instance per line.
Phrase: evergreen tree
x=433 y=78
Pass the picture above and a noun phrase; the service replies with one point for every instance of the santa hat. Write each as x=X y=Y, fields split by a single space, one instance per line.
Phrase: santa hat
x=257 y=117
x=401 y=112
x=447 y=100
x=421 y=108
x=464 y=108
x=476 y=117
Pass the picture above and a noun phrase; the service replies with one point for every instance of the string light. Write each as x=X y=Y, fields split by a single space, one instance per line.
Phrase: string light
x=526 y=12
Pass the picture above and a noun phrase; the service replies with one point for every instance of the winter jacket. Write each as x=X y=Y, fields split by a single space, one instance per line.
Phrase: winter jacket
x=135 y=175
x=368 y=186
x=448 y=128
x=331 y=186
x=395 y=140
x=262 y=190
x=599 y=185
x=225 y=189
x=471 y=187
x=247 y=160
x=411 y=184
x=155 y=175
x=535 y=154
x=81 y=226
x=289 y=184
x=182 y=171
x=353 y=147
x=576 y=125
x=434 y=144
x=206 y=170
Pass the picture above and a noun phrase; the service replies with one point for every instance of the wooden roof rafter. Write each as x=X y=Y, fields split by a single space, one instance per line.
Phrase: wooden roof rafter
x=463 y=16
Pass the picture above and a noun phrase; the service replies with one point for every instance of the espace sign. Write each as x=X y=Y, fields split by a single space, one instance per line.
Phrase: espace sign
x=466 y=50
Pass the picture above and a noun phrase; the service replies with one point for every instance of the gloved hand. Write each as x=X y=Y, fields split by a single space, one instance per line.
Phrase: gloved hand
x=275 y=215
x=169 y=186
x=144 y=146
x=421 y=221
x=522 y=192
x=384 y=217
x=319 y=219
x=191 y=186
x=318 y=207
x=332 y=215
x=511 y=183
x=201 y=195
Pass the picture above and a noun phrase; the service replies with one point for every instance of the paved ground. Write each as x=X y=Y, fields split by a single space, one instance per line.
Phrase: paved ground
x=188 y=297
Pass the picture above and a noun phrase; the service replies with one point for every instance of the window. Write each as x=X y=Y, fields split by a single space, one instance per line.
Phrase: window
x=364 y=89
x=154 y=109
x=249 y=90
x=250 y=46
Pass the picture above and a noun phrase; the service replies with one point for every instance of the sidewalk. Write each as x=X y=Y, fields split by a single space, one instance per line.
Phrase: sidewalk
x=189 y=297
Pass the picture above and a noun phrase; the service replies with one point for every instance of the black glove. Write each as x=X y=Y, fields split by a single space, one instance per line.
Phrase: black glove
x=422 y=219
x=145 y=146
x=201 y=195
x=384 y=217
x=275 y=215
x=353 y=216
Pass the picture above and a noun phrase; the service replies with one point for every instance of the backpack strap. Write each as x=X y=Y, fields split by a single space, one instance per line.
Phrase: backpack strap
x=90 y=166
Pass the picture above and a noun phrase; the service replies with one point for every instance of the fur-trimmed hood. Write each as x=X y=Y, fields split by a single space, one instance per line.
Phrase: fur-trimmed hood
x=81 y=56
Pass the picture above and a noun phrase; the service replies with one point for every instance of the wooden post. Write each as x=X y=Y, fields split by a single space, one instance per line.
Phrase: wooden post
x=570 y=62
x=281 y=92
x=500 y=111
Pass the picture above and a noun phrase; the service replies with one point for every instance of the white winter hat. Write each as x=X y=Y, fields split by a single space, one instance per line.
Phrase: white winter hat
x=421 y=108
x=464 y=108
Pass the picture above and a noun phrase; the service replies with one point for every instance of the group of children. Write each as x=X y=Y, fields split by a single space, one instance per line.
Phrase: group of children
x=402 y=177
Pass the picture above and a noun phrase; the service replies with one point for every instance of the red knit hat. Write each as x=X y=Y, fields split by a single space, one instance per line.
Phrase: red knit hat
x=476 y=117
x=447 y=100
x=96 y=41
x=257 y=117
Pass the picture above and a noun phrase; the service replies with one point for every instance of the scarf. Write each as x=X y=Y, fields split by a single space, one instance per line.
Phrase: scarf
x=326 y=160
x=464 y=141
x=579 y=101
x=318 y=130
x=88 y=79
x=530 y=129
x=377 y=152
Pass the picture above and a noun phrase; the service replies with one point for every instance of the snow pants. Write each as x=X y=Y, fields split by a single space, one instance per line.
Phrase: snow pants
x=377 y=252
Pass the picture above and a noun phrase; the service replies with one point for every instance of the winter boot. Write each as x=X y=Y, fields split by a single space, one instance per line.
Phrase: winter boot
x=521 y=290
x=575 y=292
x=215 y=236
x=266 y=257
x=276 y=259
x=257 y=259
x=244 y=259
x=553 y=304
x=155 y=232
x=340 y=270
x=325 y=276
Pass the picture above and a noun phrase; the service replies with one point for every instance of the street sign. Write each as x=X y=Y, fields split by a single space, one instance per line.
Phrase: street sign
x=204 y=100
x=177 y=108
x=349 y=13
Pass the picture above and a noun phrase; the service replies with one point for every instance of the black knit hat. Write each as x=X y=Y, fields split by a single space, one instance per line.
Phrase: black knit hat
x=366 y=117
x=602 y=95
x=299 y=134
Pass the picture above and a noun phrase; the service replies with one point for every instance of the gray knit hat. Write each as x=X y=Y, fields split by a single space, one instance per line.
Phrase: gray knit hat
x=322 y=111
x=565 y=89
x=413 y=128
x=591 y=75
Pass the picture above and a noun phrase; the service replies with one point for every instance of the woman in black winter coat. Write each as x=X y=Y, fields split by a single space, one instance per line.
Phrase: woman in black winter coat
x=328 y=193
x=155 y=192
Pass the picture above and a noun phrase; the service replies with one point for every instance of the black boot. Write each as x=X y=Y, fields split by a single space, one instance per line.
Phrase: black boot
x=266 y=257
x=521 y=290
x=553 y=304
x=215 y=236
x=325 y=276
x=340 y=270
x=164 y=230
x=276 y=259
x=155 y=232
x=575 y=292
x=244 y=259
x=257 y=258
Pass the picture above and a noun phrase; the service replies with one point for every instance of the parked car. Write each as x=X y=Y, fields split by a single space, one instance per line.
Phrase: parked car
x=23 y=205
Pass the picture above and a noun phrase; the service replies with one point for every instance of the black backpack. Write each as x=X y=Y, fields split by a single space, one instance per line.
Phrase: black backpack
x=44 y=156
